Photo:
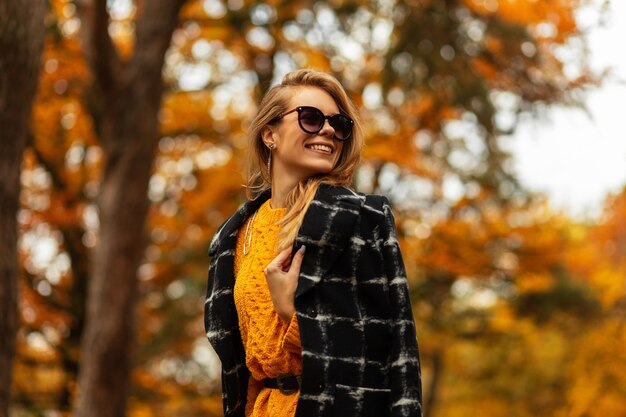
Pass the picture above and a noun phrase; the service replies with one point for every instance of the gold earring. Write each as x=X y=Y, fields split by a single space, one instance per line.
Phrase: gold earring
x=269 y=159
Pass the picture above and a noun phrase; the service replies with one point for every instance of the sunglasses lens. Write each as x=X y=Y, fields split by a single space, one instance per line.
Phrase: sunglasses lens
x=311 y=119
x=342 y=126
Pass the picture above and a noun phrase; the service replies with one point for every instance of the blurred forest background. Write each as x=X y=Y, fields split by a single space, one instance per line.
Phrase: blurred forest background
x=520 y=310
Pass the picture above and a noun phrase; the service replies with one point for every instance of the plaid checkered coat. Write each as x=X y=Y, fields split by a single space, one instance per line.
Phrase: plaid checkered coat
x=359 y=348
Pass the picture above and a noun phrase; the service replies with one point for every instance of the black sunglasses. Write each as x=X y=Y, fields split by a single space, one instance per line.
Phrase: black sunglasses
x=312 y=120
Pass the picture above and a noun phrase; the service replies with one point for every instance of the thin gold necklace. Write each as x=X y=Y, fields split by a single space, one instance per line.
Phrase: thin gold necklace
x=247 y=240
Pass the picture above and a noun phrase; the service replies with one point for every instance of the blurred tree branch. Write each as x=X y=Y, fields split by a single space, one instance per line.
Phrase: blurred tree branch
x=21 y=44
x=127 y=100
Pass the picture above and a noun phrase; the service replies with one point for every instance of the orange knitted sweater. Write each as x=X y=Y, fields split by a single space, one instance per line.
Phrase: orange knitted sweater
x=272 y=346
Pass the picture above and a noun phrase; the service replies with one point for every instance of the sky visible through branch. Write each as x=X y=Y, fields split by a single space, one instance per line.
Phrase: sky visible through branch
x=574 y=157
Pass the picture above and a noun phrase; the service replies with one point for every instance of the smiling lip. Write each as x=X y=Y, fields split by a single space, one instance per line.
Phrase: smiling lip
x=321 y=147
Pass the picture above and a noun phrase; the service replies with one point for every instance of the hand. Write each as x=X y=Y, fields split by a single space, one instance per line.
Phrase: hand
x=282 y=280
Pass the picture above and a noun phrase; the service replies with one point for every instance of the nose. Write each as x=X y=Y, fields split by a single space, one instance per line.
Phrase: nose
x=327 y=130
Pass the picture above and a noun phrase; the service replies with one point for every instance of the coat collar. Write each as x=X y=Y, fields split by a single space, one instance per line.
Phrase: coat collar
x=326 y=228
x=232 y=224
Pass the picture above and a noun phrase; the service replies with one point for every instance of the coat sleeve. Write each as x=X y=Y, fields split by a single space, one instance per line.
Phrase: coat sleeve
x=405 y=375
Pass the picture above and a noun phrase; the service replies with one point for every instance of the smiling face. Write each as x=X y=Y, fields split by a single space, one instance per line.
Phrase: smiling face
x=298 y=154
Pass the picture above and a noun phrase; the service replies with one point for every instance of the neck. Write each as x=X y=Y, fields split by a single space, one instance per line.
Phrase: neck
x=280 y=190
x=282 y=184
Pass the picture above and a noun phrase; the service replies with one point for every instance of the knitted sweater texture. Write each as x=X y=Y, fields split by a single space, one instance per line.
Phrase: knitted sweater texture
x=272 y=346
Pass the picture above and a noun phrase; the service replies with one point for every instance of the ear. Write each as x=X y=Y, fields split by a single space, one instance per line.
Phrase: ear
x=268 y=135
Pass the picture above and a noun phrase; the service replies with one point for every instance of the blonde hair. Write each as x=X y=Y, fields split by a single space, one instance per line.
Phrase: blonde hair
x=272 y=105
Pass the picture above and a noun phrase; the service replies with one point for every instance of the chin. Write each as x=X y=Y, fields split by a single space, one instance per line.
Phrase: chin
x=321 y=170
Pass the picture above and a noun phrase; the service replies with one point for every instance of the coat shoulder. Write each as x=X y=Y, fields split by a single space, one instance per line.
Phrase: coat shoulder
x=376 y=208
x=377 y=202
x=340 y=192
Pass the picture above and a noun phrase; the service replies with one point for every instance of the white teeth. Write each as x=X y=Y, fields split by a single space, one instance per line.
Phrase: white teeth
x=322 y=148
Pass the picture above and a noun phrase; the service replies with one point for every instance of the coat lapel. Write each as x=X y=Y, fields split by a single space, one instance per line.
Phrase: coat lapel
x=326 y=229
x=232 y=224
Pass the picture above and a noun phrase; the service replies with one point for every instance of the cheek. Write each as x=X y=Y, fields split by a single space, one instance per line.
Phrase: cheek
x=338 y=154
x=288 y=136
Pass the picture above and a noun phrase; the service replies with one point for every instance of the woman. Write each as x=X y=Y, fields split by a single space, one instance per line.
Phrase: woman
x=307 y=303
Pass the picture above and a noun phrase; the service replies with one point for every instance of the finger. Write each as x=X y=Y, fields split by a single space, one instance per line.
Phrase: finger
x=278 y=261
x=296 y=262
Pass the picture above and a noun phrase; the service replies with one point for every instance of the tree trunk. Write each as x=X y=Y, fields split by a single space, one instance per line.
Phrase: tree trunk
x=126 y=98
x=109 y=332
x=79 y=259
x=21 y=43
x=431 y=399
x=264 y=68
x=75 y=308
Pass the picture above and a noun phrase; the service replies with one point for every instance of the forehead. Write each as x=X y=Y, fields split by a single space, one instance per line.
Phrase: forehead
x=313 y=96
